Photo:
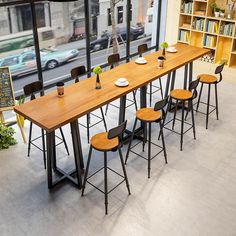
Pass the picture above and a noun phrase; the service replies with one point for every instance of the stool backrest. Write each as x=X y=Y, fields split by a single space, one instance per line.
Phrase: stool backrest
x=32 y=88
x=161 y=105
x=142 y=49
x=76 y=72
x=219 y=70
x=113 y=59
x=117 y=131
x=193 y=87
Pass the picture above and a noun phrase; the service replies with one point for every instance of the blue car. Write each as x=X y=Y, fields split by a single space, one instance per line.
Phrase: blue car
x=25 y=63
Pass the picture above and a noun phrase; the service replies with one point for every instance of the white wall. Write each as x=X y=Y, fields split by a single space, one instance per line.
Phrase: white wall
x=172 y=21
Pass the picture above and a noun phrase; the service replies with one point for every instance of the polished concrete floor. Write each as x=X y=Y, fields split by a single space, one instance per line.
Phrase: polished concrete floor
x=194 y=194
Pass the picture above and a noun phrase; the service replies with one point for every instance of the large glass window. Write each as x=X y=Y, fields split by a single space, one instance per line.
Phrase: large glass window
x=17 y=44
x=62 y=44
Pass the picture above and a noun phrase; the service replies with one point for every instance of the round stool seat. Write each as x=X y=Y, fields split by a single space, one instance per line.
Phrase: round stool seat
x=207 y=79
x=148 y=115
x=181 y=94
x=102 y=143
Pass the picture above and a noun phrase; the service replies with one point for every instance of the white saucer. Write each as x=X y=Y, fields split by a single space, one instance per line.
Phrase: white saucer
x=171 y=51
x=141 y=62
x=122 y=85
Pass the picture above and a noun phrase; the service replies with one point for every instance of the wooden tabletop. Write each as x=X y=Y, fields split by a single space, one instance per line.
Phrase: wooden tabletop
x=51 y=112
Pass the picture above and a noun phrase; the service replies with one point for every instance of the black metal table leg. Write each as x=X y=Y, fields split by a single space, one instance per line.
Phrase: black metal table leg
x=122 y=110
x=50 y=156
x=190 y=79
x=173 y=80
x=185 y=76
x=167 y=85
x=78 y=154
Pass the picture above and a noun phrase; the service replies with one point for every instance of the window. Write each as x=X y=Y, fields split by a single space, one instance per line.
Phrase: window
x=24 y=17
x=10 y=61
x=109 y=16
x=150 y=18
x=28 y=57
x=119 y=14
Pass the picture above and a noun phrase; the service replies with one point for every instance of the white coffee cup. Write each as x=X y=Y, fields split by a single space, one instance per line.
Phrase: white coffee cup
x=122 y=80
x=172 y=49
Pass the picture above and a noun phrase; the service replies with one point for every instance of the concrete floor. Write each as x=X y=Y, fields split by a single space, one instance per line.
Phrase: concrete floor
x=194 y=194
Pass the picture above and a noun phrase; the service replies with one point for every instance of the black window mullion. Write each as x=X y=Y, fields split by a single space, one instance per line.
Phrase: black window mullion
x=87 y=32
x=158 y=24
x=36 y=43
x=128 y=11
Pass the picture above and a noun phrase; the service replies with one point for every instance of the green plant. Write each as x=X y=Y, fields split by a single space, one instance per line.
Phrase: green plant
x=6 y=136
x=164 y=45
x=217 y=9
x=97 y=70
x=222 y=10
x=21 y=100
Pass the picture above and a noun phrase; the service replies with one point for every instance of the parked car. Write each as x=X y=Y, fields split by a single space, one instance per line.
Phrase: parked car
x=25 y=63
x=101 y=43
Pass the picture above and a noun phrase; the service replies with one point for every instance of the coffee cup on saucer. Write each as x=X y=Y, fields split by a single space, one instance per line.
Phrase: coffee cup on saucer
x=122 y=81
x=171 y=49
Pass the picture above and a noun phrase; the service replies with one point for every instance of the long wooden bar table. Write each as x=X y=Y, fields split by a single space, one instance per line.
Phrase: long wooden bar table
x=51 y=112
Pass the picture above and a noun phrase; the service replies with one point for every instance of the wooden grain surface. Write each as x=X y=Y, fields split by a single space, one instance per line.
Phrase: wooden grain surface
x=50 y=112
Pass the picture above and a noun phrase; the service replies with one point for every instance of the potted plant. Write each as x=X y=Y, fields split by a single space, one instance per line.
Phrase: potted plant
x=164 y=46
x=20 y=101
x=217 y=12
x=97 y=70
x=222 y=13
x=213 y=7
x=6 y=136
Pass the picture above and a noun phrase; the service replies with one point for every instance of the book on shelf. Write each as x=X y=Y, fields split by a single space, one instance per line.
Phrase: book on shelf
x=227 y=28
x=198 y=24
x=186 y=7
x=210 y=41
x=184 y=35
x=212 y=27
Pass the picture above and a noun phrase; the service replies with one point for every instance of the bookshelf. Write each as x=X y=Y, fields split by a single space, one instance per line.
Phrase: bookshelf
x=199 y=27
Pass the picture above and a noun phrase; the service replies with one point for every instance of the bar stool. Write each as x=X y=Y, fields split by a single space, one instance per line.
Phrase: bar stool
x=113 y=60
x=181 y=96
x=30 y=90
x=210 y=80
x=149 y=116
x=106 y=142
x=75 y=74
x=142 y=49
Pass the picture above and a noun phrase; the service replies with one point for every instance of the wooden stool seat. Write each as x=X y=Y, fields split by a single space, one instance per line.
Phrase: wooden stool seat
x=102 y=143
x=181 y=94
x=148 y=115
x=207 y=79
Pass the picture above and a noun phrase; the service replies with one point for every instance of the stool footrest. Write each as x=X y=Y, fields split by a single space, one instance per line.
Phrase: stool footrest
x=143 y=156
x=191 y=126
x=113 y=187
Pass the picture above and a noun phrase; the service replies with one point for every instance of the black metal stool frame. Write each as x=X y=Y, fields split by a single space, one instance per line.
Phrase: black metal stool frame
x=158 y=106
x=192 y=87
x=218 y=70
x=113 y=133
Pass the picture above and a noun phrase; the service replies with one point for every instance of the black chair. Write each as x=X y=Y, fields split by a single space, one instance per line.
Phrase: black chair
x=183 y=96
x=106 y=142
x=142 y=49
x=149 y=116
x=113 y=60
x=30 y=90
x=75 y=74
x=210 y=80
